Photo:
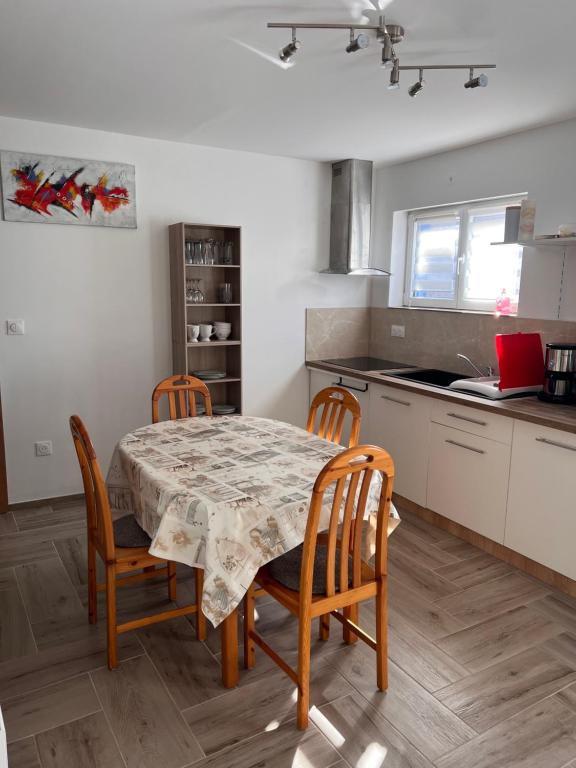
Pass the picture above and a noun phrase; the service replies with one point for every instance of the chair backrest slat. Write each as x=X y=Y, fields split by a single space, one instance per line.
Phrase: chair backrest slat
x=333 y=536
x=99 y=516
x=351 y=473
x=345 y=530
x=334 y=404
x=186 y=388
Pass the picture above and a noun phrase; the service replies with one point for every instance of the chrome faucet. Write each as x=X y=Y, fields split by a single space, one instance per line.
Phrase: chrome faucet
x=489 y=371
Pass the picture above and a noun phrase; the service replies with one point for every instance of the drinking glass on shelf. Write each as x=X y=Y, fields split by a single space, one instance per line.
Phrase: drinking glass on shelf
x=188 y=252
x=209 y=252
x=225 y=292
x=228 y=256
x=197 y=255
x=218 y=251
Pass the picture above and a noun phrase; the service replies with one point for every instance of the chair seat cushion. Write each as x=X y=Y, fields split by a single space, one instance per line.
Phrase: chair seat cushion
x=127 y=533
x=286 y=569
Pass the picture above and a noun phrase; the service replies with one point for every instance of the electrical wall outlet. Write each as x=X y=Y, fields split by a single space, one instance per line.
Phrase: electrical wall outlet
x=15 y=327
x=398 y=330
x=43 y=448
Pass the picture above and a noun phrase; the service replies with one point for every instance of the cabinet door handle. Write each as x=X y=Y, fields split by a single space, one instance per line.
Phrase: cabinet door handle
x=340 y=383
x=468 y=447
x=394 y=400
x=555 y=444
x=468 y=418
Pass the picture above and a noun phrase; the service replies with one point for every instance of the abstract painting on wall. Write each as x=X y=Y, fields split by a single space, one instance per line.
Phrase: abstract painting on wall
x=63 y=190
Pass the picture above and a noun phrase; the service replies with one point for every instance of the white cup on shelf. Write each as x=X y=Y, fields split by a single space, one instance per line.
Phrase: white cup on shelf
x=206 y=332
x=192 y=333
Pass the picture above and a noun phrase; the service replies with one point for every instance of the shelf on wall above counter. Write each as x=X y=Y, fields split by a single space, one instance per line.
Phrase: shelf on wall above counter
x=544 y=241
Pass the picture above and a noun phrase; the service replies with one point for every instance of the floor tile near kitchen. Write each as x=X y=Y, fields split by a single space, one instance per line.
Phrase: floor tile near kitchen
x=482 y=669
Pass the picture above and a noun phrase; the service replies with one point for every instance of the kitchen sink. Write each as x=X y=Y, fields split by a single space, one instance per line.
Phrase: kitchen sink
x=431 y=376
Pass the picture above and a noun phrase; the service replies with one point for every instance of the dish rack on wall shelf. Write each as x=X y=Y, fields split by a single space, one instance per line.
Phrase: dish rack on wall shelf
x=213 y=355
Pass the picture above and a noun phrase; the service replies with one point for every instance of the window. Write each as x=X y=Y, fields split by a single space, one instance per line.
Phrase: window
x=451 y=263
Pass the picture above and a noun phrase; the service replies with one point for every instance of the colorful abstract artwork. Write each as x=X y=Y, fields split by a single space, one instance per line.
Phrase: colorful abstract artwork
x=63 y=190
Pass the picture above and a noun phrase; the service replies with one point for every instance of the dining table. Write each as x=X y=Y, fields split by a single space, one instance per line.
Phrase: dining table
x=227 y=494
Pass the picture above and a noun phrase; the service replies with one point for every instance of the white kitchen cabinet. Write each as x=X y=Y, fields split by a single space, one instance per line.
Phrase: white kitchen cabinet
x=541 y=519
x=468 y=480
x=320 y=380
x=399 y=421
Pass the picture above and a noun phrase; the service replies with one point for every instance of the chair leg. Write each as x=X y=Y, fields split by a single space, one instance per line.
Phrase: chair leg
x=172 y=585
x=324 y=627
x=249 y=626
x=92 y=591
x=111 y=617
x=351 y=613
x=200 y=618
x=303 y=705
x=382 y=635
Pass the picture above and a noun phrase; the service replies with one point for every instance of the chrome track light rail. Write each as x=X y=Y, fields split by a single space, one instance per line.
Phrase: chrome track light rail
x=388 y=35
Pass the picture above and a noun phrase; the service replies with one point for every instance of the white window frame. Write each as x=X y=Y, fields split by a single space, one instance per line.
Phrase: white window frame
x=462 y=211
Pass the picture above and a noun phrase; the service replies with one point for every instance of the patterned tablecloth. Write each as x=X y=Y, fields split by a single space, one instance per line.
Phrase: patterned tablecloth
x=227 y=494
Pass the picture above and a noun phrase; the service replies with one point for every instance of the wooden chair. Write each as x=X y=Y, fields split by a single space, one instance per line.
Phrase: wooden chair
x=123 y=546
x=327 y=572
x=335 y=403
x=181 y=391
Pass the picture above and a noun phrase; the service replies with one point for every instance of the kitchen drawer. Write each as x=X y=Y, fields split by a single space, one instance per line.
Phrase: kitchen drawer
x=473 y=420
x=468 y=480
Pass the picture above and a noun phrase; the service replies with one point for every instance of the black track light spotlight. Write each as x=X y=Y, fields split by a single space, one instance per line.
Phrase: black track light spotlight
x=289 y=50
x=481 y=81
x=415 y=89
x=394 y=83
x=388 y=54
x=357 y=43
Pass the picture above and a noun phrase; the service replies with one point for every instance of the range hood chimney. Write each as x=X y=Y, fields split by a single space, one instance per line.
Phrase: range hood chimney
x=350 y=219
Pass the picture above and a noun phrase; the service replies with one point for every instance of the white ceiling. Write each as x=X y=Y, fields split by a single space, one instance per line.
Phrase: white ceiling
x=206 y=72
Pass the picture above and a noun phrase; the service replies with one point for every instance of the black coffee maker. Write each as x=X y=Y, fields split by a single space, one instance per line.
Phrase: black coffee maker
x=560 y=374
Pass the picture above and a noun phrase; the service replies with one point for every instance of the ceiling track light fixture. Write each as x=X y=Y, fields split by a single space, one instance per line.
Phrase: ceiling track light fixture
x=481 y=81
x=357 y=43
x=289 y=50
x=415 y=89
x=394 y=84
x=388 y=35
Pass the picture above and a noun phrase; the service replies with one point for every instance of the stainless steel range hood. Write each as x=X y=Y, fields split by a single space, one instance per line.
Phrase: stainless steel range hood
x=350 y=219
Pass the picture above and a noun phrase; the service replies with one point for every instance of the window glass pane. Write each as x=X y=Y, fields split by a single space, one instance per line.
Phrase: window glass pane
x=435 y=266
x=490 y=269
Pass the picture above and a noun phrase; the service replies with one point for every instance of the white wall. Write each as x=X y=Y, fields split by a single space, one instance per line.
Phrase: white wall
x=541 y=162
x=96 y=300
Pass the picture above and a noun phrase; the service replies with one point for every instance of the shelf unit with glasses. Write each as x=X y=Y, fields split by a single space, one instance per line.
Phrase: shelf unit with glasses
x=214 y=355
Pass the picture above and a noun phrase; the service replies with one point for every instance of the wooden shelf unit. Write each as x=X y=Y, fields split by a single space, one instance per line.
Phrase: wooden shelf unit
x=212 y=355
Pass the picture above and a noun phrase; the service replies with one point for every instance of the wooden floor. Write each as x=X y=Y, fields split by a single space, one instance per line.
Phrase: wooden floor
x=482 y=669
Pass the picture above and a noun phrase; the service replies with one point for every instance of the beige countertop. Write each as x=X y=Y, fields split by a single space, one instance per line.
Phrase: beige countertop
x=525 y=408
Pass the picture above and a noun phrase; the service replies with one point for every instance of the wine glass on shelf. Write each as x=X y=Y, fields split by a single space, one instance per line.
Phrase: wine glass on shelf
x=197 y=294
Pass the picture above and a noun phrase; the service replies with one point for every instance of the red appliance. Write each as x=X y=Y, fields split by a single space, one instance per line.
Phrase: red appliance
x=520 y=360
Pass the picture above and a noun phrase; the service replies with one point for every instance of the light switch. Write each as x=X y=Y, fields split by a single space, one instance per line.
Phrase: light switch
x=15 y=327
x=398 y=330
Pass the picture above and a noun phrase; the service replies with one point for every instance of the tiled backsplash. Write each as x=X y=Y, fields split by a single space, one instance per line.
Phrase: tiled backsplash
x=337 y=332
x=432 y=338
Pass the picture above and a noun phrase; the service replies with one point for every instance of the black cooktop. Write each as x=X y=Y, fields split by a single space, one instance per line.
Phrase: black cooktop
x=367 y=363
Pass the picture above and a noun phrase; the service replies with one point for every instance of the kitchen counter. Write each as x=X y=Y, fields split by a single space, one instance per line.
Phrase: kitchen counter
x=525 y=408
